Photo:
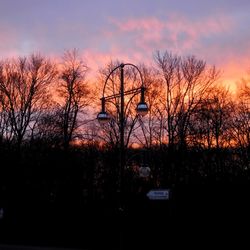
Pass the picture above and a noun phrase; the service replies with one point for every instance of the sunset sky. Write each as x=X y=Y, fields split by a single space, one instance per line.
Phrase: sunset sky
x=217 y=31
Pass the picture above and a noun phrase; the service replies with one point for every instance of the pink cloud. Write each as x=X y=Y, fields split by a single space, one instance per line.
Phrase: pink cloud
x=145 y=24
x=175 y=32
x=184 y=35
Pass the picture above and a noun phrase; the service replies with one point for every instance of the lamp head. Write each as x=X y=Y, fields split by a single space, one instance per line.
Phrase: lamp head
x=103 y=117
x=142 y=108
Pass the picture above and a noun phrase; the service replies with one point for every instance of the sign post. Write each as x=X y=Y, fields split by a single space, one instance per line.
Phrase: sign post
x=158 y=194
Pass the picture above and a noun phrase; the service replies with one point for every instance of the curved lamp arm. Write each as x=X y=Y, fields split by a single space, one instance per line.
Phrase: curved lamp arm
x=122 y=66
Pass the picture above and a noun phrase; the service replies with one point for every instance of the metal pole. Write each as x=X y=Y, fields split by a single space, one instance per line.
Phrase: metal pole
x=122 y=147
x=122 y=159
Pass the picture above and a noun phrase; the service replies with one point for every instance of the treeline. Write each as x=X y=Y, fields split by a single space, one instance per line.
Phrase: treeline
x=54 y=102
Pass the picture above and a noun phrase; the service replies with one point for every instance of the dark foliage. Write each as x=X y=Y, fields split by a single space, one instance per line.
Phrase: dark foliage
x=53 y=197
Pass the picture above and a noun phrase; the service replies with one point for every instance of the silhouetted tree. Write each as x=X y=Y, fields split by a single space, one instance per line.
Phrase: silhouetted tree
x=187 y=81
x=241 y=124
x=23 y=88
x=48 y=127
x=240 y=131
x=211 y=122
x=74 y=93
x=152 y=125
x=6 y=132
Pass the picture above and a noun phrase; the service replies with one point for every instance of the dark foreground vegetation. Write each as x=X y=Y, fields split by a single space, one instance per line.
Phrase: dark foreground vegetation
x=55 y=198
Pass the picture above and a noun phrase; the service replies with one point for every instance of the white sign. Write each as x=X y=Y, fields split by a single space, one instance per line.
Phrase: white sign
x=158 y=194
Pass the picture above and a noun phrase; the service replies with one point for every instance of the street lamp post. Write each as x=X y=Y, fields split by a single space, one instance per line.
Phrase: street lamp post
x=142 y=109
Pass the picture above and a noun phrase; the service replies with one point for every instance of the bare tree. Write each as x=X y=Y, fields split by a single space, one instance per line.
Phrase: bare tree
x=241 y=122
x=152 y=125
x=48 y=127
x=211 y=123
x=187 y=82
x=6 y=133
x=74 y=93
x=23 y=88
x=241 y=125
